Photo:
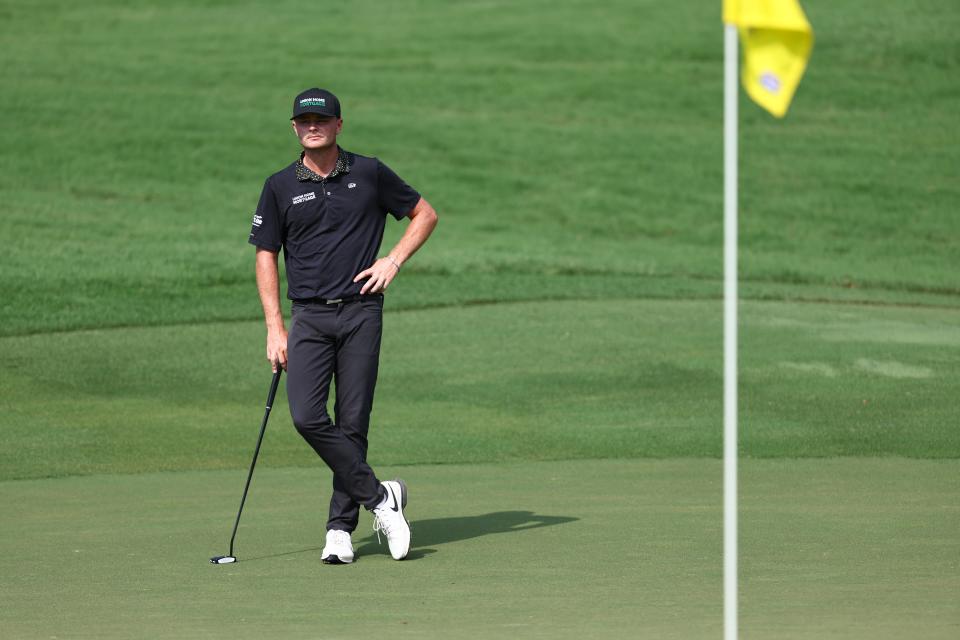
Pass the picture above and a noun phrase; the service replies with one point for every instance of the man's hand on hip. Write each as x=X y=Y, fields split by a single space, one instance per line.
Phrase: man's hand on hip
x=422 y=221
x=277 y=348
x=380 y=275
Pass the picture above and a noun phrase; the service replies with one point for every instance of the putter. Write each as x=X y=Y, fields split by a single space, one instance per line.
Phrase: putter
x=227 y=559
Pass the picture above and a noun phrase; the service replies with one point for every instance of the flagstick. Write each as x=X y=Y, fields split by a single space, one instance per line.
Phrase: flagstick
x=730 y=97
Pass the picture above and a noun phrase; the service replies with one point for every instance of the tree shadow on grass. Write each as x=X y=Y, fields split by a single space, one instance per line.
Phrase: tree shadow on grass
x=438 y=531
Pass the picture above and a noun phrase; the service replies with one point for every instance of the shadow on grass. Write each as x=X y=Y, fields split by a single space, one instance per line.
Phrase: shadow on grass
x=438 y=531
x=280 y=555
x=429 y=533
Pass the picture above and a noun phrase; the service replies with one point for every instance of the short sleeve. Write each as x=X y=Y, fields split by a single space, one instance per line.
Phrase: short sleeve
x=265 y=232
x=396 y=196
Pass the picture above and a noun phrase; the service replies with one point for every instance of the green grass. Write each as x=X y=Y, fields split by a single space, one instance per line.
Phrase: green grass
x=562 y=326
x=534 y=550
x=525 y=381
x=849 y=548
x=555 y=138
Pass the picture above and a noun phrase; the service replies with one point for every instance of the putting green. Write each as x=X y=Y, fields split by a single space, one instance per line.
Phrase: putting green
x=853 y=548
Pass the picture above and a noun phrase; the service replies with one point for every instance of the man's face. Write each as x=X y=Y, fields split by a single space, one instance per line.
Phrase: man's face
x=316 y=131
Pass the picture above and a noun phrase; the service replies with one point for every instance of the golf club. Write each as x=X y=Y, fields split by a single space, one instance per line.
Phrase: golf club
x=227 y=559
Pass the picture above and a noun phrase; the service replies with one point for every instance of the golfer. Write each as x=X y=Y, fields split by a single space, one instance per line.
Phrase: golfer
x=327 y=211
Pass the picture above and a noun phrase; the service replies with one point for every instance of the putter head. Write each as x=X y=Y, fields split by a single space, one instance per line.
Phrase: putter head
x=223 y=559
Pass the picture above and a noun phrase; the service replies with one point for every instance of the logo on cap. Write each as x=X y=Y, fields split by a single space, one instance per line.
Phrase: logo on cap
x=313 y=102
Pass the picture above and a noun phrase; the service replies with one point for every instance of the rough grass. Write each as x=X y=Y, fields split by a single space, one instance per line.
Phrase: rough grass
x=572 y=149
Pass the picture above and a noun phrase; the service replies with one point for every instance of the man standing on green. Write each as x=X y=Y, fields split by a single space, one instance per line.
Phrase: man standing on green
x=327 y=211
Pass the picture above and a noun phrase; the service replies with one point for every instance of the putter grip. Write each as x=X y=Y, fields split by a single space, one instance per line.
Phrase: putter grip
x=273 y=387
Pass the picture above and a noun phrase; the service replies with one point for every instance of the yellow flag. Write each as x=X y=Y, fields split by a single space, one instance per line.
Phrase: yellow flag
x=776 y=40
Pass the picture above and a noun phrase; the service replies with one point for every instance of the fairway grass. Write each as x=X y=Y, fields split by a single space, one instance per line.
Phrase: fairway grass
x=540 y=380
x=851 y=548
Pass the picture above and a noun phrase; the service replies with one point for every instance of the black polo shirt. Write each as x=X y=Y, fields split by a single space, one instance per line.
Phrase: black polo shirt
x=330 y=229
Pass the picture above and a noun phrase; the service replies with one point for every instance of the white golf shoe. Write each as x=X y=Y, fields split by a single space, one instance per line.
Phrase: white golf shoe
x=389 y=519
x=339 y=549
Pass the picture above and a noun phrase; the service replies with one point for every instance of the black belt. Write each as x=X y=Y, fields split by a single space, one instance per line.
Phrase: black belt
x=343 y=300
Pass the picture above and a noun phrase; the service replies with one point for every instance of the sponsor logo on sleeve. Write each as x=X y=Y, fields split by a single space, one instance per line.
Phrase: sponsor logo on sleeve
x=304 y=197
x=257 y=220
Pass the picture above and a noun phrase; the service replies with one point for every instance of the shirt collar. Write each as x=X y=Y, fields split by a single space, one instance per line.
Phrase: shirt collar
x=305 y=174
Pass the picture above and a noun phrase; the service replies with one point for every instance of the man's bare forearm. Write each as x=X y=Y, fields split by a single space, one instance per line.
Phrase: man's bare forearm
x=268 y=285
x=423 y=219
x=378 y=276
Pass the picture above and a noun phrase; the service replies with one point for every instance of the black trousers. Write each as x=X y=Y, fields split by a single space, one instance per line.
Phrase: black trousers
x=339 y=342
